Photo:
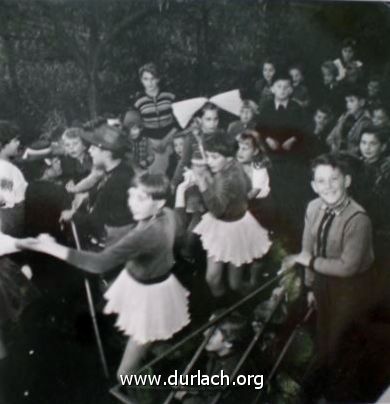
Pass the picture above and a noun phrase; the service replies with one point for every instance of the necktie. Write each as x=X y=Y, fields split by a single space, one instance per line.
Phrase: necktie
x=323 y=232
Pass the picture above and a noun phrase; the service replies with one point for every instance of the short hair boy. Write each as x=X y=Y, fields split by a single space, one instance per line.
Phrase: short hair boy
x=346 y=133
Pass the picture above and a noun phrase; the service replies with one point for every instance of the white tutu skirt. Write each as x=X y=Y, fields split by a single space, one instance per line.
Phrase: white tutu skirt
x=238 y=242
x=148 y=312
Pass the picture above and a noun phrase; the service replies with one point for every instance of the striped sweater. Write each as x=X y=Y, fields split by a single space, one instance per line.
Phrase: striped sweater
x=156 y=113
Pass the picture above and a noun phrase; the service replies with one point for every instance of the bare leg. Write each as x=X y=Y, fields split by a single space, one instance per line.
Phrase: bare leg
x=255 y=269
x=235 y=275
x=214 y=277
x=132 y=356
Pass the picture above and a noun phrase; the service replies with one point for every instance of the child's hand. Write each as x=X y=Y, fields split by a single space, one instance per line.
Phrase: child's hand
x=46 y=238
x=311 y=300
x=70 y=187
x=66 y=215
x=39 y=244
x=27 y=243
x=189 y=178
x=272 y=143
x=303 y=258
x=287 y=263
x=288 y=144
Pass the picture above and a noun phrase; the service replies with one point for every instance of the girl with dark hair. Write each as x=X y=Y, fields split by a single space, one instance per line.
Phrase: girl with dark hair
x=228 y=231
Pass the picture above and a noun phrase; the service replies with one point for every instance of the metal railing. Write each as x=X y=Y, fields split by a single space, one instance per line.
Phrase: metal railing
x=210 y=325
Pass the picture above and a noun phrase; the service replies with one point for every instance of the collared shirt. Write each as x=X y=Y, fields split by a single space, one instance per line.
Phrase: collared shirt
x=338 y=209
x=284 y=104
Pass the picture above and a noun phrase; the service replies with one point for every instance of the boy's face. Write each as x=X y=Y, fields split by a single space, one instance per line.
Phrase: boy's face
x=134 y=132
x=296 y=76
x=11 y=149
x=282 y=90
x=141 y=204
x=246 y=115
x=327 y=76
x=321 y=118
x=149 y=82
x=209 y=120
x=246 y=151
x=370 y=147
x=178 y=145
x=216 y=161
x=330 y=184
x=347 y=54
x=380 y=118
x=354 y=104
x=268 y=71
x=99 y=156
x=73 y=147
x=373 y=88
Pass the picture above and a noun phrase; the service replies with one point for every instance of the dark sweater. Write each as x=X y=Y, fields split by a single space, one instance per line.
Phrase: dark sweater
x=109 y=201
x=146 y=251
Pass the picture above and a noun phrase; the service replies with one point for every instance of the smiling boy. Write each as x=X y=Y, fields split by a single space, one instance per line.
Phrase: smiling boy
x=338 y=254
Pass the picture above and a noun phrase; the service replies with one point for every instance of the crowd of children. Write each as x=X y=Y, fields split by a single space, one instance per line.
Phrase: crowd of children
x=143 y=190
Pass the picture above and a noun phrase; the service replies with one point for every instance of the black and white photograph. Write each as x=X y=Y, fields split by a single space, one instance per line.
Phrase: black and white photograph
x=194 y=202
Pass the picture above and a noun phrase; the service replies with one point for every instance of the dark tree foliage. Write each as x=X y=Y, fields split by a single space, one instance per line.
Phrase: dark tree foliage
x=63 y=61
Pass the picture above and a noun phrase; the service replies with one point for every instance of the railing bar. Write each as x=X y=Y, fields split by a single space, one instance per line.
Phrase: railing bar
x=256 y=337
x=212 y=322
x=284 y=350
x=192 y=361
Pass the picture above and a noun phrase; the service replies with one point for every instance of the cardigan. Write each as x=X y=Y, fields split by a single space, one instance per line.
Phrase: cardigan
x=348 y=245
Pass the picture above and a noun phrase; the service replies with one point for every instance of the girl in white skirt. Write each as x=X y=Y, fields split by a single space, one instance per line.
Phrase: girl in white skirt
x=228 y=231
x=149 y=301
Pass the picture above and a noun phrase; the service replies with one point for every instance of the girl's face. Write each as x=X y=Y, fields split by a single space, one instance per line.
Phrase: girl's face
x=296 y=77
x=373 y=88
x=380 y=118
x=216 y=161
x=178 y=145
x=246 y=115
x=209 y=120
x=370 y=147
x=330 y=184
x=141 y=204
x=73 y=147
x=327 y=76
x=268 y=71
x=353 y=104
x=321 y=118
x=11 y=149
x=149 y=82
x=347 y=54
x=246 y=151
x=134 y=132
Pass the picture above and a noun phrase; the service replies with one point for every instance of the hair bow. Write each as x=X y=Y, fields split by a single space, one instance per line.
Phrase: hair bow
x=229 y=101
